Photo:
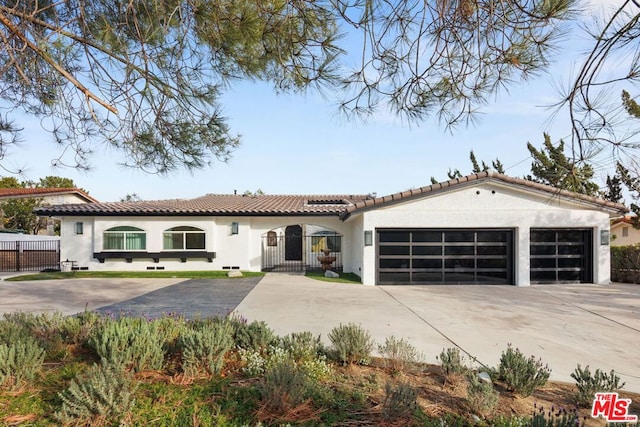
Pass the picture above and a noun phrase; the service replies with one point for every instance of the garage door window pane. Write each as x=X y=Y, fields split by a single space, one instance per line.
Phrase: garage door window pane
x=492 y=263
x=458 y=236
x=459 y=250
x=569 y=276
x=394 y=236
x=492 y=250
x=394 y=263
x=570 y=249
x=459 y=277
x=492 y=236
x=394 y=250
x=435 y=277
x=427 y=263
x=427 y=236
x=543 y=236
x=543 y=250
x=459 y=263
x=394 y=277
x=543 y=263
x=570 y=263
x=571 y=236
x=427 y=250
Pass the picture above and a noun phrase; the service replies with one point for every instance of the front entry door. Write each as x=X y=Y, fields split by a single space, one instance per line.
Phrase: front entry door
x=293 y=243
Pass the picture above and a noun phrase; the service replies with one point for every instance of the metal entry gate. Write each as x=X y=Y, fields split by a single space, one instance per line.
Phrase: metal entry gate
x=29 y=255
x=295 y=252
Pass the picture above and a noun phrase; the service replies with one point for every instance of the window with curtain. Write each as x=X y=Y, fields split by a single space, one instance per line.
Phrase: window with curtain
x=124 y=238
x=183 y=238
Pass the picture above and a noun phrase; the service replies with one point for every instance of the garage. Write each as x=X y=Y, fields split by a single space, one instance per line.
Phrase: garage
x=561 y=256
x=444 y=256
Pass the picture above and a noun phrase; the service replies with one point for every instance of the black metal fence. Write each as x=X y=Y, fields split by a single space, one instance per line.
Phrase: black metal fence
x=295 y=253
x=29 y=255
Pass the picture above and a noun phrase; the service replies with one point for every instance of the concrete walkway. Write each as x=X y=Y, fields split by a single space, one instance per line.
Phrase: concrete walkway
x=562 y=324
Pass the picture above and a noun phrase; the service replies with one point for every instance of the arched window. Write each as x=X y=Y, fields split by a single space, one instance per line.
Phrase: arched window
x=183 y=238
x=124 y=238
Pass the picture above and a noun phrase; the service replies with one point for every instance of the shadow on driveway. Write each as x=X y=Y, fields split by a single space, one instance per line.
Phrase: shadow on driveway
x=191 y=298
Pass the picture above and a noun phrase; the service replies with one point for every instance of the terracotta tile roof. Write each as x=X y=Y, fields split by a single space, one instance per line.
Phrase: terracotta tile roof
x=12 y=193
x=477 y=178
x=215 y=204
x=272 y=205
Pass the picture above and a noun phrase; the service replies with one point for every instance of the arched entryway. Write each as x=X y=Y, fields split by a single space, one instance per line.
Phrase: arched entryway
x=296 y=247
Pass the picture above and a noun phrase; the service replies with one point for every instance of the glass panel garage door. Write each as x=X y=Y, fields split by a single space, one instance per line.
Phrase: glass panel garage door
x=451 y=256
x=561 y=256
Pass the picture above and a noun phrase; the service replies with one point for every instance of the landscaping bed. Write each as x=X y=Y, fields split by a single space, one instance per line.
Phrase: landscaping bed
x=101 y=370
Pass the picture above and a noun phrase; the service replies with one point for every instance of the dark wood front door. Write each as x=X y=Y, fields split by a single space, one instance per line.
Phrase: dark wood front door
x=293 y=243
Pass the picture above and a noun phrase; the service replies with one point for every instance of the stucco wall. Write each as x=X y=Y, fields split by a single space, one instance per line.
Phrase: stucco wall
x=491 y=205
x=632 y=238
x=242 y=250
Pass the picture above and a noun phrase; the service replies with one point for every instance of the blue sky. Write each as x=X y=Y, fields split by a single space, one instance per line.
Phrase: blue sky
x=299 y=144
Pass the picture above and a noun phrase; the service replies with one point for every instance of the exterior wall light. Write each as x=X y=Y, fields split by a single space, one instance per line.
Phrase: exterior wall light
x=604 y=237
x=368 y=237
x=234 y=228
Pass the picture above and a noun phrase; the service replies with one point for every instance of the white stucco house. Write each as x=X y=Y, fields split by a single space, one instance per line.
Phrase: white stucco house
x=484 y=228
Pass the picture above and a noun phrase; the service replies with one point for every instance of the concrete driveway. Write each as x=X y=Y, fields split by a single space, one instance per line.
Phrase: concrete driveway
x=564 y=325
x=133 y=297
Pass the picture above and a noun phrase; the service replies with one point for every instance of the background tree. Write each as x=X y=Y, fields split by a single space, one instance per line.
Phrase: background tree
x=613 y=60
x=146 y=76
x=131 y=197
x=552 y=167
x=17 y=214
x=496 y=165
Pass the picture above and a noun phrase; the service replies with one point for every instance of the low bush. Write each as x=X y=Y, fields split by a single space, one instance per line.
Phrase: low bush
x=555 y=417
x=135 y=343
x=302 y=345
x=481 y=396
x=351 y=344
x=398 y=354
x=284 y=387
x=400 y=402
x=256 y=335
x=102 y=395
x=589 y=384
x=20 y=362
x=203 y=351
x=452 y=363
x=522 y=375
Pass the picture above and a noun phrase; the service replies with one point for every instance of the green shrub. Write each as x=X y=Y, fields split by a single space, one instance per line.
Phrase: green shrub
x=351 y=344
x=302 y=345
x=252 y=336
x=284 y=386
x=102 y=395
x=204 y=350
x=522 y=375
x=452 y=363
x=481 y=396
x=50 y=330
x=400 y=401
x=624 y=263
x=20 y=362
x=398 y=354
x=135 y=343
x=589 y=384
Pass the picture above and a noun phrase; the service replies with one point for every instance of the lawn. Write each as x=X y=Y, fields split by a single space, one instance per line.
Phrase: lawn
x=344 y=277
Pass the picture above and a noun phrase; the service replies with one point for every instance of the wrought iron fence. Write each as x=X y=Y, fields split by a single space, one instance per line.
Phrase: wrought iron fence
x=297 y=253
x=29 y=255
